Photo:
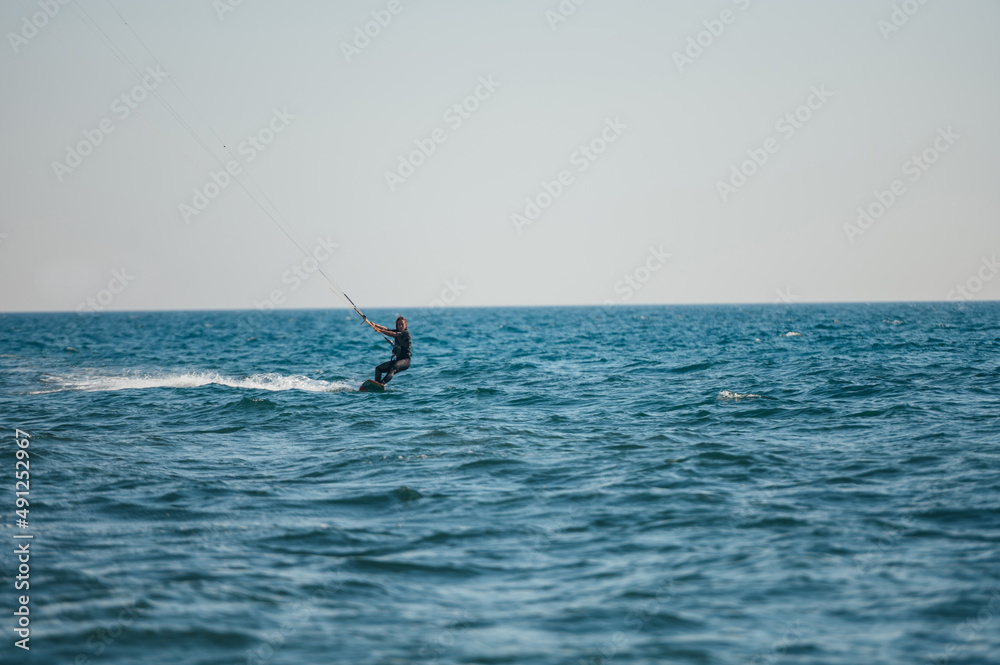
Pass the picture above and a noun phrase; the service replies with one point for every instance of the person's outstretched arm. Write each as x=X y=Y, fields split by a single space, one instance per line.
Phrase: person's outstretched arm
x=382 y=329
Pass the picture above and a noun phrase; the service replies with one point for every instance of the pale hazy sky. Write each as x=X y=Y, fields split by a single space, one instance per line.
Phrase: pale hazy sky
x=666 y=121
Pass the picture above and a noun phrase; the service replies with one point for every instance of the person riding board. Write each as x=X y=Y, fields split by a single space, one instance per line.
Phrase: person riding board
x=401 y=350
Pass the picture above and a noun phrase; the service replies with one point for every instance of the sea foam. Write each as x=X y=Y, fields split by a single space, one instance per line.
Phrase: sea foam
x=270 y=381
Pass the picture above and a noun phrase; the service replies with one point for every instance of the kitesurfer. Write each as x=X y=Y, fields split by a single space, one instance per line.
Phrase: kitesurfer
x=401 y=350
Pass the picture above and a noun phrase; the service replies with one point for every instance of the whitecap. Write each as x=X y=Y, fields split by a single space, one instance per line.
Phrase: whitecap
x=726 y=395
x=271 y=381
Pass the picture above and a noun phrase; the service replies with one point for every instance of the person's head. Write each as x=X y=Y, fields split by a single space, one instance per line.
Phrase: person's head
x=400 y=323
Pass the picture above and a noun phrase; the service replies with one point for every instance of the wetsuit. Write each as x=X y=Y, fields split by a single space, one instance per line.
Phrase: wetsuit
x=400 y=361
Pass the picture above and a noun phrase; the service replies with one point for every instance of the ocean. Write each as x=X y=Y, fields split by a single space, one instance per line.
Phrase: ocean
x=813 y=484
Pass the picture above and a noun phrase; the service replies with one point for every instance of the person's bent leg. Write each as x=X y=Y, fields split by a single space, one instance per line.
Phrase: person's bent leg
x=382 y=369
x=398 y=366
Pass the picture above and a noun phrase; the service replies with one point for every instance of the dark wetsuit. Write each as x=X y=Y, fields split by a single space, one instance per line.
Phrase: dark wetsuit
x=400 y=361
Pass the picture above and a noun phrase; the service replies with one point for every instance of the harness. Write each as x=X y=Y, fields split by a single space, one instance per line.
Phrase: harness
x=402 y=350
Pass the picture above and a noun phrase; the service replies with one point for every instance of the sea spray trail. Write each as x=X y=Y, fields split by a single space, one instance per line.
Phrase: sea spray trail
x=271 y=382
x=545 y=485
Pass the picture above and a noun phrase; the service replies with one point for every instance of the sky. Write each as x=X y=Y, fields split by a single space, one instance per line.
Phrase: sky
x=232 y=154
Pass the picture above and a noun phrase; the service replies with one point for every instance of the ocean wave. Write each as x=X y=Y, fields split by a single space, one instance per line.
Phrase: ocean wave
x=730 y=395
x=271 y=381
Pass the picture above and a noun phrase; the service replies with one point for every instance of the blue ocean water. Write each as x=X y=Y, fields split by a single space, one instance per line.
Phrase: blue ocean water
x=756 y=484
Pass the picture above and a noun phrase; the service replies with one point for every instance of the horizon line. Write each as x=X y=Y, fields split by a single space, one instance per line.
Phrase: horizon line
x=474 y=307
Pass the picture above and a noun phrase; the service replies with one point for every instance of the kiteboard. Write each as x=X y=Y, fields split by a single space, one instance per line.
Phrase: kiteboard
x=372 y=386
